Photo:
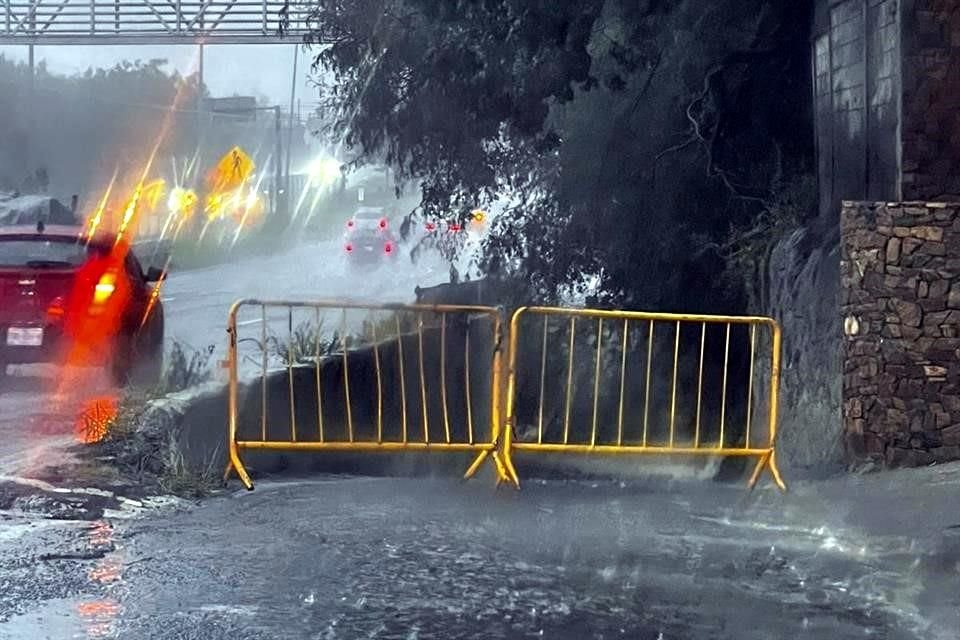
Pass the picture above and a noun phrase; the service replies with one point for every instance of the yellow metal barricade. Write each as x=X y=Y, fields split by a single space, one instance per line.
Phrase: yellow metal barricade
x=405 y=379
x=655 y=383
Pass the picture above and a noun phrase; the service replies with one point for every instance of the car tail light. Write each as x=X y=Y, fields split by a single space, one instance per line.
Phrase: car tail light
x=383 y=223
x=388 y=247
x=431 y=226
x=56 y=310
x=453 y=226
x=349 y=248
x=349 y=224
x=105 y=287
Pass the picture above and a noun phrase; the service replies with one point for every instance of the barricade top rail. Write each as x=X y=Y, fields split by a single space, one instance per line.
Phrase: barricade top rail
x=644 y=315
x=360 y=305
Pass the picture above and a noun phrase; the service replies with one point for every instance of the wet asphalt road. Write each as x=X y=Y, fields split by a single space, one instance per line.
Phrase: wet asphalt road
x=866 y=557
x=874 y=556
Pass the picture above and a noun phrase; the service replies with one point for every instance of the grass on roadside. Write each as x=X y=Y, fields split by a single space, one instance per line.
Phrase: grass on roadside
x=143 y=442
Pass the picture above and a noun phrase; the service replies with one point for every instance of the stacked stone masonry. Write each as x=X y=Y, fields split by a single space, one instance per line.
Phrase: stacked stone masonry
x=900 y=300
x=930 y=126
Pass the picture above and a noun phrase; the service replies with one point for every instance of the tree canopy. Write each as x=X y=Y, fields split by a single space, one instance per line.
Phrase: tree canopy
x=632 y=138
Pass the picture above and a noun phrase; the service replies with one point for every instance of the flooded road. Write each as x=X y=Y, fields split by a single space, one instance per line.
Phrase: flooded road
x=652 y=559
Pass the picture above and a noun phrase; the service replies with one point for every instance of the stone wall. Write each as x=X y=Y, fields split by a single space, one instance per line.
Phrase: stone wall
x=900 y=302
x=930 y=135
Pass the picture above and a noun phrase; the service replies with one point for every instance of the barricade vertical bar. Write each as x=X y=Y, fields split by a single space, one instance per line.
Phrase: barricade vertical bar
x=263 y=373
x=569 y=400
x=646 y=400
x=753 y=346
x=673 y=392
x=423 y=378
x=293 y=413
x=346 y=376
x=319 y=366
x=623 y=379
x=403 y=379
x=443 y=374
x=723 y=390
x=543 y=379
x=466 y=373
x=596 y=382
x=376 y=364
x=501 y=427
x=703 y=344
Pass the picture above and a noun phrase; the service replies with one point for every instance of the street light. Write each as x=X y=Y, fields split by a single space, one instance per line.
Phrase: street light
x=324 y=172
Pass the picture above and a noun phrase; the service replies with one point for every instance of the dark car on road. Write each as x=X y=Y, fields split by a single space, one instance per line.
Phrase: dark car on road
x=70 y=299
x=369 y=238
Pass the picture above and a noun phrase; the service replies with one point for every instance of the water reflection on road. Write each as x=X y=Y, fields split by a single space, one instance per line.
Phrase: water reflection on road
x=99 y=617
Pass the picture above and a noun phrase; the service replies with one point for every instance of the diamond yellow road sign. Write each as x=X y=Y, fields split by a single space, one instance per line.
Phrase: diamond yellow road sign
x=232 y=171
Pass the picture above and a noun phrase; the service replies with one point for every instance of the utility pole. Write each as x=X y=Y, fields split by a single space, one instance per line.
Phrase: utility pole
x=30 y=108
x=278 y=197
x=293 y=96
x=200 y=89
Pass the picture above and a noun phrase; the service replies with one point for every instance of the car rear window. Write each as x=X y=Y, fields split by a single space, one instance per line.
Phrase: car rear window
x=42 y=252
x=366 y=233
x=368 y=219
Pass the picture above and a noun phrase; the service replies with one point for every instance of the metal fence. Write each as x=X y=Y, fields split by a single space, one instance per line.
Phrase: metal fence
x=405 y=378
x=394 y=378
x=668 y=384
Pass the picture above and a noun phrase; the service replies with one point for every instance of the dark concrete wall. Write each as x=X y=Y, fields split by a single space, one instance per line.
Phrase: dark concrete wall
x=931 y=100
x=856 y=66
x=900 y=301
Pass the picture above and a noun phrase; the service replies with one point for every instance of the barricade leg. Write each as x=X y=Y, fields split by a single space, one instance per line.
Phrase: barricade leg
x=775 y=471
x=475 y=465
x=234 y=463
x=507 y=459
x=767 y=461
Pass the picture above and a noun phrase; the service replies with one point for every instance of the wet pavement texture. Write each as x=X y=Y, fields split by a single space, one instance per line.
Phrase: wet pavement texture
x=871 y=556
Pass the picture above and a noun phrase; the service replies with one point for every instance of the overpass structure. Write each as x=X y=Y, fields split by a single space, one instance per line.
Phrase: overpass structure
x=102 y=22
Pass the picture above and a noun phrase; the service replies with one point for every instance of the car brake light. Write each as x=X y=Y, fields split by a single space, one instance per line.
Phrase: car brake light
x=383 y=223
x=349 y=224
x=388 y=247
x=453 y=226
x=105 y=287
x=56 y=309
x=431 y=226
x=349 y=248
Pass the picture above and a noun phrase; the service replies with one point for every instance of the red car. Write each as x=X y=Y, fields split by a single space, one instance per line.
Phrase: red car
x=66 y=298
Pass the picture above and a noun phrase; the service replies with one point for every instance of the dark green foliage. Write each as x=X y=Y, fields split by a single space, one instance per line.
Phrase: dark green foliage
x=621 y=131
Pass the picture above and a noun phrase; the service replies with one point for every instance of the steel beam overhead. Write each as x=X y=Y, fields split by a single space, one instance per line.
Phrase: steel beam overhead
x=86 y=22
